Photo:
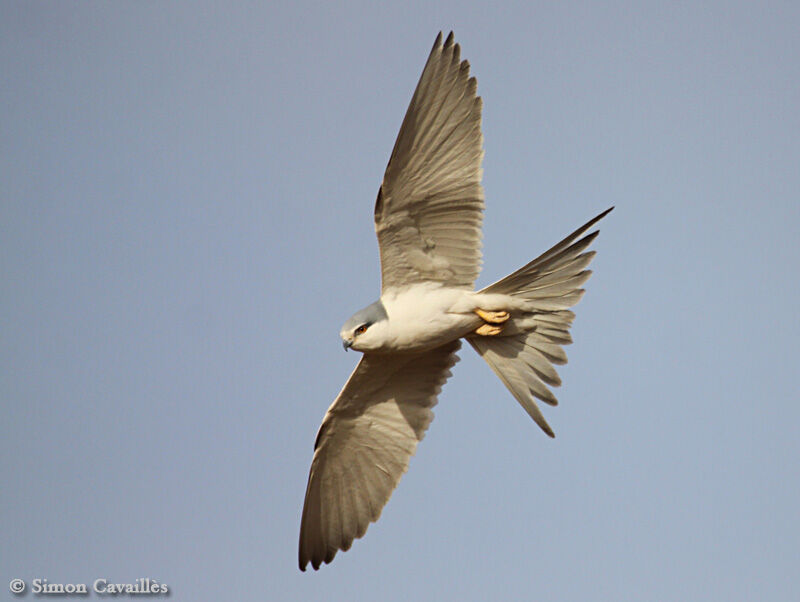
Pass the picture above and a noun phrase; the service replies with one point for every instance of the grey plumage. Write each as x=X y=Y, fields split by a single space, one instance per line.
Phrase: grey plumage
x=429 y=211
x=372 y=313
x=428 y=218
x=364 y=445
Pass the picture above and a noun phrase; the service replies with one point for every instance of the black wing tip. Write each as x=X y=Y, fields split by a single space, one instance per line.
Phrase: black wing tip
x=542 y=424
x=315 y=564
x=596 y=219
x=545 y=428
x=588 y=225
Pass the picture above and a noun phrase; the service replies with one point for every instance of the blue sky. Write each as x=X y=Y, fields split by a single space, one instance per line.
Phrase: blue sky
x=186 y=197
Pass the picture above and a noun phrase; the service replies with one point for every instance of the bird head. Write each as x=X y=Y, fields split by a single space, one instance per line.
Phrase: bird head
x=360 y=332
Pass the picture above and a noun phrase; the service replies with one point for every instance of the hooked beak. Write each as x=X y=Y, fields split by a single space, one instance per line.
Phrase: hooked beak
x=347 y=344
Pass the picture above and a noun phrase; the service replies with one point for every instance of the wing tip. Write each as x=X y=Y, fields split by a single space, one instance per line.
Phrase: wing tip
x=545 y=427
x=303 y=559
x=539 y=420
x=316 y=562
x=449 y=43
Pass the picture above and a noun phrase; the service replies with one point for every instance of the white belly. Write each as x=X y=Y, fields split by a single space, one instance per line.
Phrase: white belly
x=426 y=316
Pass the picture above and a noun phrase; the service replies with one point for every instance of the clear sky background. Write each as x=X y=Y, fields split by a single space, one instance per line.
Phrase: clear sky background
x=186 y=221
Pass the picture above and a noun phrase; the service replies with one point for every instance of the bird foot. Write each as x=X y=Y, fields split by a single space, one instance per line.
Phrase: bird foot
x=492 y=317
x=488 y=330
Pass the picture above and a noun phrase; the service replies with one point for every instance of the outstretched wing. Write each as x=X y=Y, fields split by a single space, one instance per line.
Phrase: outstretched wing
x=364 y=445
x=429 y=210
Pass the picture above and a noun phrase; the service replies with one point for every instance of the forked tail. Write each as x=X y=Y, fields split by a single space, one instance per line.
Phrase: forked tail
x=524 y=353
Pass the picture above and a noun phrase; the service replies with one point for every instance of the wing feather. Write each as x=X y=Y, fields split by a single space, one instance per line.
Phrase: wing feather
x=364 y=445
x=432 y=183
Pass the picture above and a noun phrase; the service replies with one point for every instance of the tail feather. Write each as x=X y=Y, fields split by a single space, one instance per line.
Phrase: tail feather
x=513 y=378
x=524 y=354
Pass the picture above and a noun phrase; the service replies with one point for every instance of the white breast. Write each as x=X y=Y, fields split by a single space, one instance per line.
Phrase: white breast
x=424 y=316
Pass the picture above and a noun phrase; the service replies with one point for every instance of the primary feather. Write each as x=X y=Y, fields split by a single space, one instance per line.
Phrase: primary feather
x=364 y=444
x=429 y=210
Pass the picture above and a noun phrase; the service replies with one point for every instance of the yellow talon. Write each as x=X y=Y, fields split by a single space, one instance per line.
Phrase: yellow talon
x=493 y=317
x=488 y=330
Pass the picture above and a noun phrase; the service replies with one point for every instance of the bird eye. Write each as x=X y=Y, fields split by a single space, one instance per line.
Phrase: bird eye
x=361 y=329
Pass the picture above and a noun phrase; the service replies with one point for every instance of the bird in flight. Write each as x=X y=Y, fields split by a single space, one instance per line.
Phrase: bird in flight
x=428 y=218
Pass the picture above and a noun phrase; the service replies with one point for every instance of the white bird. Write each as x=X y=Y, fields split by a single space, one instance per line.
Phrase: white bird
x=428 y=218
